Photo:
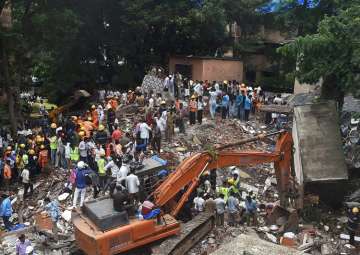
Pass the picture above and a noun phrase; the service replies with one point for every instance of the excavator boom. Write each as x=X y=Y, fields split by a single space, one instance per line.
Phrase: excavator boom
x=188 y=172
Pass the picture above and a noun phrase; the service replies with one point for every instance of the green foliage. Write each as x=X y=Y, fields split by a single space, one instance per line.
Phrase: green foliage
x=334 y=51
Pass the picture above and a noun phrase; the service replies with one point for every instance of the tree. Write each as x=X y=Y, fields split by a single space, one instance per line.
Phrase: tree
x=33 y=46
x=333 y=53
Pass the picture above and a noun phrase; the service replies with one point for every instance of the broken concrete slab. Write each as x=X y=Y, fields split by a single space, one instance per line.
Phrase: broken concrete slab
x=254 y=245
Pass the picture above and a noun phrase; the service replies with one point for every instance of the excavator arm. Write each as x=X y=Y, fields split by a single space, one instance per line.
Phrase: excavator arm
x=187 y=174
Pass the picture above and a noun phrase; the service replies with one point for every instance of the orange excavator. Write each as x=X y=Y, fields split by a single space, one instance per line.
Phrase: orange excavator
x=137 y=233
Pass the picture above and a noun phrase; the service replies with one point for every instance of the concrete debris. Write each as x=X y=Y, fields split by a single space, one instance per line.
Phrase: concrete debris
x=253 y=245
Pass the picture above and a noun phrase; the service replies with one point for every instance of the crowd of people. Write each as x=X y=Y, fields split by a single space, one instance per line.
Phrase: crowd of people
x=96 y=150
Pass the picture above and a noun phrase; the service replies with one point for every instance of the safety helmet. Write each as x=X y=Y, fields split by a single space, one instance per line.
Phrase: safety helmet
x=81 y=164
x=81 y=133
x=231 y=181
x=8 y=148
x=93 y=106
x=101 y=127
x=225 y=82
x=22 y=146
x=74 y=118
x=31 y=152
x=355 y=210
x=130 y=91
x=193 y=97
x=89 y=119
x=53 y=125
x=82 y=128
x=163 y=102
x=42 y=146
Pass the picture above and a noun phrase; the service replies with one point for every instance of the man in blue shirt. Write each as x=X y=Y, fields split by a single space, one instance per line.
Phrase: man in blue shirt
x=251 y=210
x=52 y=208
x=240 y=105
x=6 y=211
x=247 y=107
x=233 y=208
x=225 y=105
x=80 y=182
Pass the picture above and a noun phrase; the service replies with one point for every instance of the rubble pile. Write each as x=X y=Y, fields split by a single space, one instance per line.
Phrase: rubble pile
x=325 y=237
x=32 y=220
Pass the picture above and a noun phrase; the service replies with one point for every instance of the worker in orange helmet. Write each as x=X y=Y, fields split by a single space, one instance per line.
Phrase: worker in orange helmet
x=43 y=157
x=94 y=116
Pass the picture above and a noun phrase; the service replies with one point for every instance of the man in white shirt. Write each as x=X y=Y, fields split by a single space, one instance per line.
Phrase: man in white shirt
x=114 y=165
x=132 y=185
x=98 y=152
x=199 y=204
x=144 y=132
x=25 y=175
x=83 y=151
x=151 y=103
x=220 y=210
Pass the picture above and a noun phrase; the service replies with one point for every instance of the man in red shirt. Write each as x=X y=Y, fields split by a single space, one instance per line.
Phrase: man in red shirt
x=116 y=135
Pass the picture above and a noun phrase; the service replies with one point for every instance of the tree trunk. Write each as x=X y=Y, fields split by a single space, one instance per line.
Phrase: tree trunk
x=8 y=89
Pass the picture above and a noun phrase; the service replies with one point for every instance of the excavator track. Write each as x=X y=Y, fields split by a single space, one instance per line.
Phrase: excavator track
x=191 y=233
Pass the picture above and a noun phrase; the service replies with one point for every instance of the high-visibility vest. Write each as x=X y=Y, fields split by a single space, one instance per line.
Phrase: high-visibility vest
x=74 y=154
x=53 y=143
x=235 y=187
x=224 y=191
x=101 y=167
x=25 y=159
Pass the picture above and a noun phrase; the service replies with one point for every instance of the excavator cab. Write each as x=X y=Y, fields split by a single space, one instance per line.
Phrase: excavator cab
x=100 y=229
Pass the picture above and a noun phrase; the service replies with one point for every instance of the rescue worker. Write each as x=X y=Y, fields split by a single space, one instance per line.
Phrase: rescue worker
x=101 y=170
x=74 y=153
x=101 y=136
x=353 y=222
x=43 y=157
x=224 y=189
x=235 y=187
x=192 y=109
x=53 y=148
x=94 y=116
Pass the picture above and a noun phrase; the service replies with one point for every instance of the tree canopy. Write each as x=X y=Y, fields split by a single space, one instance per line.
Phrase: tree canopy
x=333 y=53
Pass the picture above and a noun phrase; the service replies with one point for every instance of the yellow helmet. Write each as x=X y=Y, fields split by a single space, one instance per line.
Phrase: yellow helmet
x=93 y=106
x=231 y=181
x=225 y=82
x=31 y=152
x=39 y=139
x=53 y=125
x=89 y=119
x=42 y=147
x=81 y=133
x=193 y=97
x=163 y=102
x=355 y=210
x=101 y=127
x=22 y=146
